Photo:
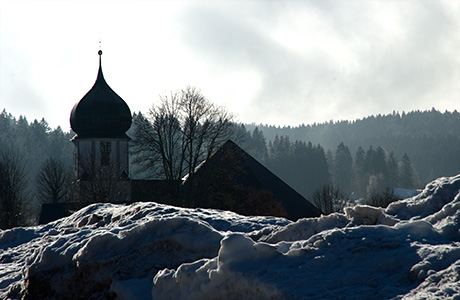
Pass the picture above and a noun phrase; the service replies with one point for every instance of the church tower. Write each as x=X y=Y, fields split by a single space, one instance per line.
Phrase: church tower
x=100 y=120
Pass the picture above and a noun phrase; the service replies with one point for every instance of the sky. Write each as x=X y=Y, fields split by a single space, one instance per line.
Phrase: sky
x=269 y=62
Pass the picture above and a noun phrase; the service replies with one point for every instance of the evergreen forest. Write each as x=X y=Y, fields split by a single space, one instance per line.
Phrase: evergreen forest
x=357 y=158
x=431 y=139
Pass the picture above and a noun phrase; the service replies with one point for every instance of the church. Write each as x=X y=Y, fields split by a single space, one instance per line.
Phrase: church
x=100 y=121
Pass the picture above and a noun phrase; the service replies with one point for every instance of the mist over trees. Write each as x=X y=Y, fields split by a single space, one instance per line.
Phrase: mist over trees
x=302 y=165
x=13 y=187
x=314 y=173
x=24 y=149
x=430 y=138
x=331 y=161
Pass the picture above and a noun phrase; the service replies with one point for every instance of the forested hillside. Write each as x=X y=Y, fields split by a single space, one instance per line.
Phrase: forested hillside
x=370 y=175
x=359 y=158
x=34 y=142
x=430 y=138
x=26 y=150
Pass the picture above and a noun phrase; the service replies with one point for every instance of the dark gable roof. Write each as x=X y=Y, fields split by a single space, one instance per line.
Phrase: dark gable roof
x=101 y=113
x=160 y=191
x=250 y=173
x=54 y=211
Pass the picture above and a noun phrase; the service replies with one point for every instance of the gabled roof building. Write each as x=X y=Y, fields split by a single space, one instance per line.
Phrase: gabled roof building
x=231 y=179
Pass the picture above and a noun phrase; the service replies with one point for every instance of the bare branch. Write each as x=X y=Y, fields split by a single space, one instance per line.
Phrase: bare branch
x=181 y=131
x=12 y=186
x=53 y=181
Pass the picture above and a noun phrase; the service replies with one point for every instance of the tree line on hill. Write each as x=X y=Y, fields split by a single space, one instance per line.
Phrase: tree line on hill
x=430 y=138
x=308 y=168
x=35 y=168
x=332 y=160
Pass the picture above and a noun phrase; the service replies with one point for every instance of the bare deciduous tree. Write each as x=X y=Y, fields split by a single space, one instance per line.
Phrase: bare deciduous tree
x=205 y=127
x=53 y=181
x=158 y=140
x=178 y=133
x=329 y=199
x=382 y=198
x=12 y=189
x=101 y=184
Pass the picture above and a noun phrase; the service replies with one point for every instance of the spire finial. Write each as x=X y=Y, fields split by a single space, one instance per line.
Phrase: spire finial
x=99 y=75
x=100 y=47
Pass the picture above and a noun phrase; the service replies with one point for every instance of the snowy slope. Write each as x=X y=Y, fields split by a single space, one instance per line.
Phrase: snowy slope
x=411 y=250
x=106 y=245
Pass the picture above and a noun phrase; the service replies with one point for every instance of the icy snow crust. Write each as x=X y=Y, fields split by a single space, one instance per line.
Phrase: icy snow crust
x=411 y=250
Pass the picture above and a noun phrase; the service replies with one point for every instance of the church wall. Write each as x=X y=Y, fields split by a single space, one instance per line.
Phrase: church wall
x=123 y=156
x=101 y=153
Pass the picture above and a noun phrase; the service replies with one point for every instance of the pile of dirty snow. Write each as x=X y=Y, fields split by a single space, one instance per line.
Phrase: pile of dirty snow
x=411 y=250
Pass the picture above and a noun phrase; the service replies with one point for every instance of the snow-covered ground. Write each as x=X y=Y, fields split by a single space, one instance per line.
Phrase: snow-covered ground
x=411 y=250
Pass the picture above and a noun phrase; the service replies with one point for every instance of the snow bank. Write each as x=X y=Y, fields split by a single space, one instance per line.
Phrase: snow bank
x=411 y=250
x=433 y=198
x=408 y=251
x=105 y=249
x=365 y=262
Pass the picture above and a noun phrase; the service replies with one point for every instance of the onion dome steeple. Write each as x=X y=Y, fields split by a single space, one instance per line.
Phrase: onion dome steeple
x=101 y=113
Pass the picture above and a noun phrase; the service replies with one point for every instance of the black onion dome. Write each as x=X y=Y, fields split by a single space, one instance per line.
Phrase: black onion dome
x=101 y=113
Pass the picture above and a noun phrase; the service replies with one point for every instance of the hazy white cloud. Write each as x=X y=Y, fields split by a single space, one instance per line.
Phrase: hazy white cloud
x=333 y=59
x=276 y=62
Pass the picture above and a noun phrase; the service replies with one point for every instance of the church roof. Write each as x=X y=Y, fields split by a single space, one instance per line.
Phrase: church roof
x=101 y=113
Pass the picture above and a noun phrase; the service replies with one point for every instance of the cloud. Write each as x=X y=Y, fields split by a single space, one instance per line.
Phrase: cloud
x=331 y=59
x=275 y=62
x=222 y=37
x=412 y=67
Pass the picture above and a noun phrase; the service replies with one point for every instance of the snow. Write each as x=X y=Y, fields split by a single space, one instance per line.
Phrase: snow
x=411 y=250
x=405 y=193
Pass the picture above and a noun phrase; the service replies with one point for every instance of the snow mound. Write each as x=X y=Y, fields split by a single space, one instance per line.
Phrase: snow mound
x=408 y=251
x=106 y=249
x=411 y=250
x=436 y=195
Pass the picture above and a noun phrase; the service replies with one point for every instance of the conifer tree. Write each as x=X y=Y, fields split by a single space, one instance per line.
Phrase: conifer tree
x=379 y=162
x=257 y=145
x=343 y=168
x=360 y=174
x=392 y=168
x=406 y=173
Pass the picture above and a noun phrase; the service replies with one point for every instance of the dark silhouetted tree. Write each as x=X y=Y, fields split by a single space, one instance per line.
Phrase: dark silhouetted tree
x=381 y=198
x=330 y=161
x=343 y=168
x=179 y=132
x=105 y=183
x=379 y=162
x=303 y=166
x=12 y=187
x=406 y=173
x=329 y=199
x=257 y=146
x=360 y=173
x=393 y=170
x=53 y=181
